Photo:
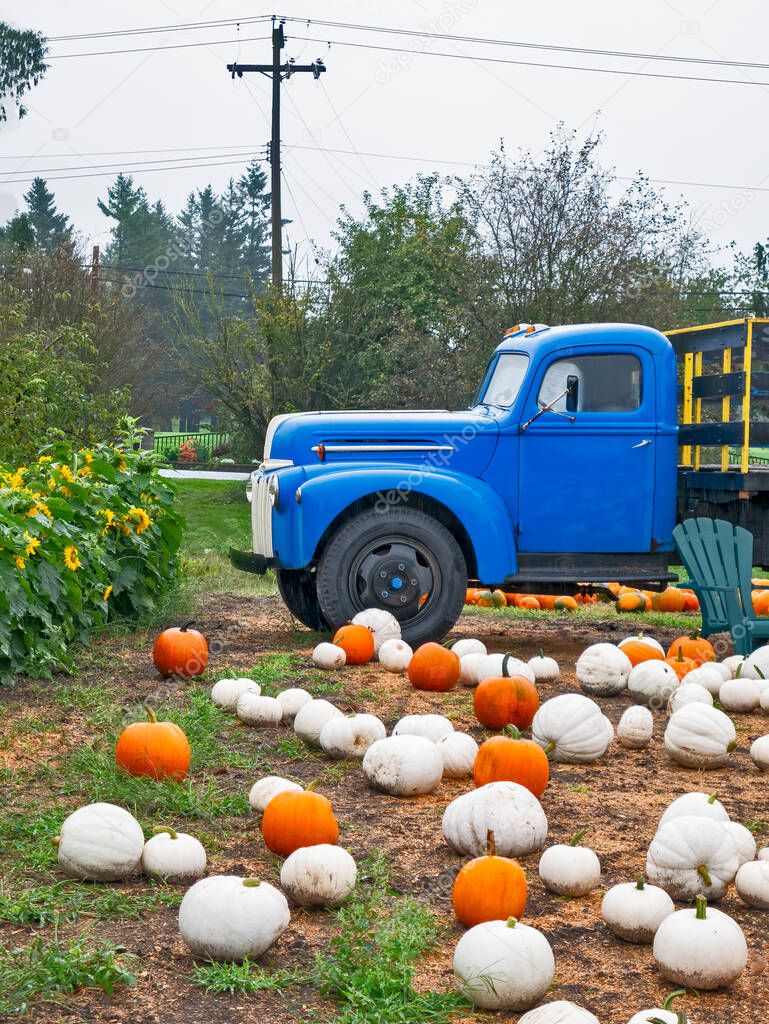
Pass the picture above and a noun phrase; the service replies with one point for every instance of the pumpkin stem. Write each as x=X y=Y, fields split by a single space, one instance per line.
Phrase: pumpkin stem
x=680 y=655
x=186 y=626
x=505 y=659
x=56 y=840
x=705 y=875
x=577 y=837
x=251 y=883
x=491 y=846
x=702 y=906
x=761 y=674
x=312 y=786
x=549 y=748
x=167 y=829
x=512 y=731
x=640 y=883
x=542 y=652
x=151 y=716
x=712 y=798
x=512 y=922
x=732 y=746
x=673 y=995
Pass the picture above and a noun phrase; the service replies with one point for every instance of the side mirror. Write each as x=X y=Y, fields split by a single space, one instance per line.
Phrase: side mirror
x=572 y=393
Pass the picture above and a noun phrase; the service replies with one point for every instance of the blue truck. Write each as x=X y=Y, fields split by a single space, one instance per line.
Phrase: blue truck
x=583 y=447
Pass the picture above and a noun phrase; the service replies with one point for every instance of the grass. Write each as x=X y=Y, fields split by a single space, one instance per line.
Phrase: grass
x=69 y=900
x=48 y=969
x=591 y=614
x=244 y=978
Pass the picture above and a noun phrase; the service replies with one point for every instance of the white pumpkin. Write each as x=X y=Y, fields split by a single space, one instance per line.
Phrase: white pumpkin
x=350 y=737
x=711 y=675
x=569 y=869
x=255 y=709
x=403 y=765
x=760 y=659
x=652 y=683
x=265 y=789
x=382 y=624
x=759 y=752
x=510 y=811
x=688 y=693
x=503 y=965
x=635 y=728
x=226 y=692
x=291 y=700
x=744 y=842
x=765 y=700
x=458 y=751
x=732 y=663
x=546 y=670
x=229 y=918
x=495 y=665
x=395 y=655
x=603 y=670
x=469 y=664
x=634 y=910
x=691 y=855
x=101 y=843
x=700 y=948
x=468 y=645
x=660 y=1014
x=698 y=805
x=699 y=736
x=319 y=876
x=752 y=883
x=747 y=669
x=329 y=656
x=571 y=729
x=763 y=853
x=739 y=695
x=311 y=717
x=559 y=1012
x=174 y=856
x=643 y=639
x=429 y=727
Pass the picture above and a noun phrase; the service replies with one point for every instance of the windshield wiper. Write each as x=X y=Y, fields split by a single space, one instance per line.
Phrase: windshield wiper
x=549 y=408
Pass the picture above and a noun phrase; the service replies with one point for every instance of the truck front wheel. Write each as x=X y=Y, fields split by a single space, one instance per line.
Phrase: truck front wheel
x=297 y=588
x=402 y=560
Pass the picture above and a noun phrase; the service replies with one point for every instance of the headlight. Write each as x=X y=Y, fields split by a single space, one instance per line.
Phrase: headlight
x=273 y=489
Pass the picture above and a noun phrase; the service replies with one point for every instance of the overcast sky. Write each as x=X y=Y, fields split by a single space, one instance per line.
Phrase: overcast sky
x=414 y=106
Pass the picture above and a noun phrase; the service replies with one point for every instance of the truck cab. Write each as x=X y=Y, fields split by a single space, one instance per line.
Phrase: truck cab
x=563 y=470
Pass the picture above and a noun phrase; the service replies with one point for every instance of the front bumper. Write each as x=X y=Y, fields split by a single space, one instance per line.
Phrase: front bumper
x=247 y=561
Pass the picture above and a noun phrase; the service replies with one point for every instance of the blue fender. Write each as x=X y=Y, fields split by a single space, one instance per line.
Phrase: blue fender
x=475 y=504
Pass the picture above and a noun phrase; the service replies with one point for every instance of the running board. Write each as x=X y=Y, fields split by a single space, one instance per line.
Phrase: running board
x=543 y=573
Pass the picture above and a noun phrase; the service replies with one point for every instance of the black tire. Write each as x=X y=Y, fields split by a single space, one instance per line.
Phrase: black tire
x=378 y=549
x=297 y=588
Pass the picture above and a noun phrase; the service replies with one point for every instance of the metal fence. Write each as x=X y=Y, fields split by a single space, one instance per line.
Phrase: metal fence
x=209 y=439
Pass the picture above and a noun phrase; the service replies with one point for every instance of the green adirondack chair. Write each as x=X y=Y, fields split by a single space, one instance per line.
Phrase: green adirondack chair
x=719 y=560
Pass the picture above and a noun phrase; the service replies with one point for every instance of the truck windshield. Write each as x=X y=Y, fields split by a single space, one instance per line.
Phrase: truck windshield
x=506 y=379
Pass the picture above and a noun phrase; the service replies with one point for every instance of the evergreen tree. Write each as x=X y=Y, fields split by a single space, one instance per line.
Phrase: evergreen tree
x=255 y=207
x=22 y=65
x=50 y=228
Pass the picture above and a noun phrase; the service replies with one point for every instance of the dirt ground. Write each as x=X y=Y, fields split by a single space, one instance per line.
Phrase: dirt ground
x=618 y=800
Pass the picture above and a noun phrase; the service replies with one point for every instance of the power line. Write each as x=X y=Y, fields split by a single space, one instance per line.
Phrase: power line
x=181 y=27
x=127 y=164
x=124 y=152
x=107 y=174
x=153 y=49
x=485 y=40
x=626 y=73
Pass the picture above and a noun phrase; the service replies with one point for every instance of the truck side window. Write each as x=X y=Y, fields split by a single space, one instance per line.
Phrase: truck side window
x=605 y=383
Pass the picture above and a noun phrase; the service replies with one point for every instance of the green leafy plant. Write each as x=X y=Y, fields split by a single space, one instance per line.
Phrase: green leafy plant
x=85 y=536
x=245 y=977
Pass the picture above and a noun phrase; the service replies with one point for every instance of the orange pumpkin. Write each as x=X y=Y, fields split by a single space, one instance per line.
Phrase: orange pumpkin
x=529 y=601
x=357 y=642
x=546 y=601
x=638 y=649
x=293 y=819
x=433 y=667
x=761 y=602
x=670 y=600
x=692 y=602
x=505 y=700
x=680 y=663
x=693 y=646
x=489 y=888
x=485 y=599
x=630 y=601
x=565 y=604
x=156 y=749
x=180 y=652
x=509 y=758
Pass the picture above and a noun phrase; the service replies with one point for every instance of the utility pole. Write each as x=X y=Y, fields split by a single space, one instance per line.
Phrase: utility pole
x=95 y=270
x=278 y=73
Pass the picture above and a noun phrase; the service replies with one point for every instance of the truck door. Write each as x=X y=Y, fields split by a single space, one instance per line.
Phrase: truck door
x=587 y=465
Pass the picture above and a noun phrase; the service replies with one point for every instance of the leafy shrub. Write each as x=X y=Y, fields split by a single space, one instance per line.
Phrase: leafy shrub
x=171 y=454
x=221 y=451
x=187 y=452
x=203 y=452
x=85 y=536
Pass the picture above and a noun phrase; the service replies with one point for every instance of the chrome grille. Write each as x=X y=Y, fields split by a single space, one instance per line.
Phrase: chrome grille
x=261 y=515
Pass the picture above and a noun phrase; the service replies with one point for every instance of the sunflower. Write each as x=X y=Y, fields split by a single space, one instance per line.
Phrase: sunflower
x=107 y=592
x=16 y=481
x=71 y=560
x=66 y=473
x=40 y=508
x=20 y=563
x=84 y=471
x=43 y=459
x=140 y=517
x=33 y=543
